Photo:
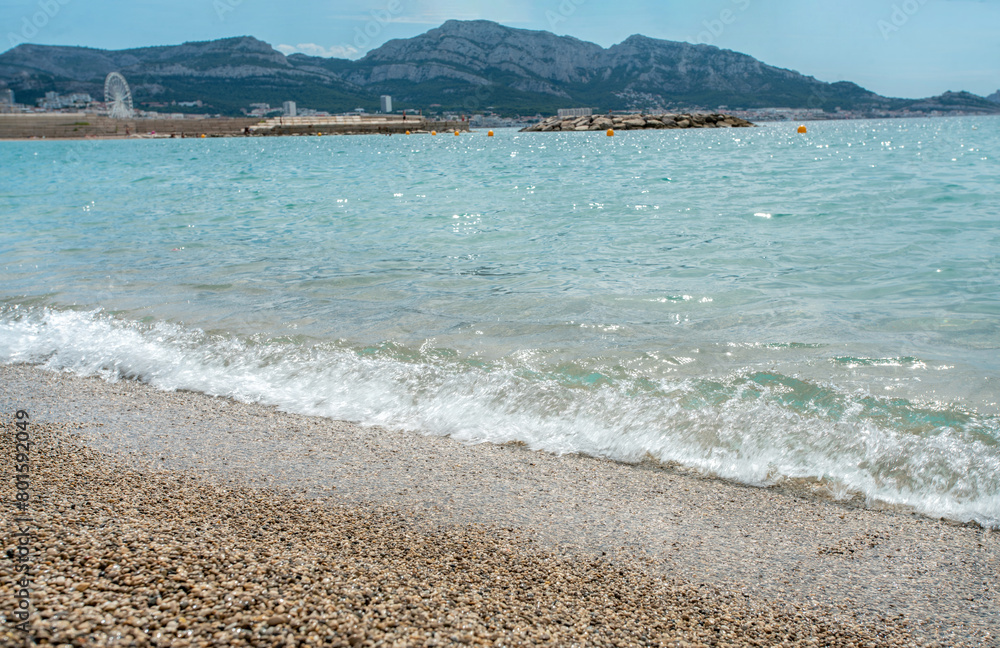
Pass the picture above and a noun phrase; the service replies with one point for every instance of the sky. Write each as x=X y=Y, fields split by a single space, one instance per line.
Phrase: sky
x=898 y=48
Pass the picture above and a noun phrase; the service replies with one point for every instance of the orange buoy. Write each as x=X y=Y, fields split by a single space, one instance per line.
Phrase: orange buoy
x=611 y=132
x=203 y=134
x=489 y=134
x=434 y=132
x=803 y=129
x=407 y=132
x=456 y=133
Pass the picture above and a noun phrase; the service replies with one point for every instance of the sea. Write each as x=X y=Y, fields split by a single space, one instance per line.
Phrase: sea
x=817 y=310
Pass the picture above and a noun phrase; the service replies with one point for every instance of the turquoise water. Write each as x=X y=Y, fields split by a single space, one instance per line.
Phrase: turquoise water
x=752 y=303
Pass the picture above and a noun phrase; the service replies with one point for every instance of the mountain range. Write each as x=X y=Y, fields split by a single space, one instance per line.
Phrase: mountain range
x=464 y=66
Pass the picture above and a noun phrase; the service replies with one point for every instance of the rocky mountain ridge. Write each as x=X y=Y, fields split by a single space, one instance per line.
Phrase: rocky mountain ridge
x=465 y=66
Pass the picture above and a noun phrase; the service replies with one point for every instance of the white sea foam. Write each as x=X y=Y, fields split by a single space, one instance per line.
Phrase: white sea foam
x=753 y=427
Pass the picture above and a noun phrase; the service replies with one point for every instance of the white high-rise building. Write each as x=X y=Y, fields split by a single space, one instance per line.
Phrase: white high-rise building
x=386 y=104
x=289 y=108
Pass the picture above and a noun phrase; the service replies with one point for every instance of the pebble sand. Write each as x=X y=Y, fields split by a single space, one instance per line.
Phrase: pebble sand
x=184 y=520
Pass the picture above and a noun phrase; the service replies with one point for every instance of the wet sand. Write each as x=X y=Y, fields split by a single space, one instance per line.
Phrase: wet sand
x=518 y=547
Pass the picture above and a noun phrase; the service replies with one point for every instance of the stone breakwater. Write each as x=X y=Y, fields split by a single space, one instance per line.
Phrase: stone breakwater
x=637 y=122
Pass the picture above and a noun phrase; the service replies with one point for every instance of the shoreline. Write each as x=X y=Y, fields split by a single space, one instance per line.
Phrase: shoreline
x=196 y=133
x=834 y=561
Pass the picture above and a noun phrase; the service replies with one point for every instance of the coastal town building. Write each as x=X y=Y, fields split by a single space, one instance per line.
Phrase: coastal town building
x=288 y=108
x=56 y=101
x=386 y=104
x=310 y=112
x=575 y=112
x=259 y=110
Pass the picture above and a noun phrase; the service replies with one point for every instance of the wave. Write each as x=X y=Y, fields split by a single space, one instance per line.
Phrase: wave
x=752 y=426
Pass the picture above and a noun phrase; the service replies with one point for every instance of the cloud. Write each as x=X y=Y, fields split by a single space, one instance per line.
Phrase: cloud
x=312 y=49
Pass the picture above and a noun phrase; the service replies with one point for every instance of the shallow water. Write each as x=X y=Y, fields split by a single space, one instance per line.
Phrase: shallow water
x=753 y=303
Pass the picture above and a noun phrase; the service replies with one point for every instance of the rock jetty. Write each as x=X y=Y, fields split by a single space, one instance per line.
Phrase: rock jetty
x=637 y=122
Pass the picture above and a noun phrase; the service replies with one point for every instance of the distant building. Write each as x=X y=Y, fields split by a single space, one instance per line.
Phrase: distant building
x=386 y=104
x=309 y=112
x=261 y=110
x=575 y=112
x=6 y=96
x=289 y=108
x=56 y=101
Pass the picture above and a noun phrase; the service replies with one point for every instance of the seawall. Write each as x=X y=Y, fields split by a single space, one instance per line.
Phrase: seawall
x=84 y=125
x=77 y=125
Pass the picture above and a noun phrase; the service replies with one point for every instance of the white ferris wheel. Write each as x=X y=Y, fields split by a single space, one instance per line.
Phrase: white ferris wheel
x=117 y=97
